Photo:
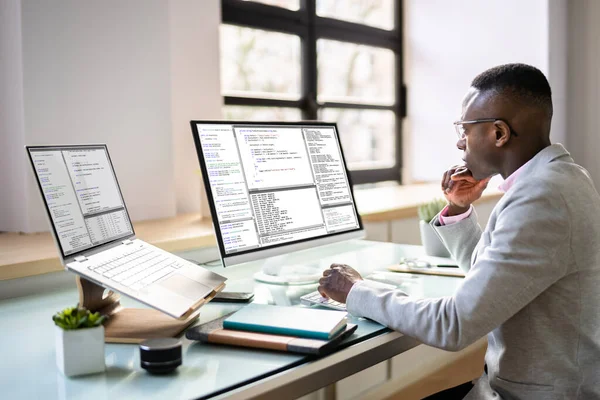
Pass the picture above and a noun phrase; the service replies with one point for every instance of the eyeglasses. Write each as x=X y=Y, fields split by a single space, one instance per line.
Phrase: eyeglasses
x=460 y=130
x=414 y=263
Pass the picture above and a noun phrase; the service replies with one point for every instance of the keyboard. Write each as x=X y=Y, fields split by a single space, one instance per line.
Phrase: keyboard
x=138 y=267
x=316 y=298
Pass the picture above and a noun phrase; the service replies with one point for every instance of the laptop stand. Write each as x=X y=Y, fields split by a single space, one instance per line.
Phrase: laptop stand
x=134 y=325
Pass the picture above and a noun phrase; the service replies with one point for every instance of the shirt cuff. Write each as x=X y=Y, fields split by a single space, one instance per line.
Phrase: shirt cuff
x=449 y=220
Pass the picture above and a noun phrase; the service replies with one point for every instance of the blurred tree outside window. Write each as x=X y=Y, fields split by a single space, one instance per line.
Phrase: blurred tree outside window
x=378 y=13
x=258 y=63
x=244 y=113
x=332 y=60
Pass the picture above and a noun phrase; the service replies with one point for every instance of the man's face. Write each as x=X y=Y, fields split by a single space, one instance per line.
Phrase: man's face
x=478 y=145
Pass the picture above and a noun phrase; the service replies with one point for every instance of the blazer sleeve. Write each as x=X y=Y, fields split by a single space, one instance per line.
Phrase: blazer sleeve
x=522 y=257
x=460 y=238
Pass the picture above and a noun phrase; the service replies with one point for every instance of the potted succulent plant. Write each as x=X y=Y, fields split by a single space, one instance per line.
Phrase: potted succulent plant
x=79 y=341
x=430 y=240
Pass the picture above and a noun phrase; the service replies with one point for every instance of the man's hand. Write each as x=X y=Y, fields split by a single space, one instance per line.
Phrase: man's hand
x=337 y=281
x=461 y=189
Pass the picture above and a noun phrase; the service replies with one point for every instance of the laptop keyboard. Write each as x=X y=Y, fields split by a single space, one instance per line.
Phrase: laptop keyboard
x=137 y=268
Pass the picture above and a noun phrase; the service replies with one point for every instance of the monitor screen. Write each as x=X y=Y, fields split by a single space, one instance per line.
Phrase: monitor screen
x=274 y=184
x=82 y=196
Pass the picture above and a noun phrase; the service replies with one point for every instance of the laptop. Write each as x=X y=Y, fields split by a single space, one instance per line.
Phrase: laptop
x=95 y=237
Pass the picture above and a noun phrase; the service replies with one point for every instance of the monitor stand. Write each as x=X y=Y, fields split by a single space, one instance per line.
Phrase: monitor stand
x=277 y=271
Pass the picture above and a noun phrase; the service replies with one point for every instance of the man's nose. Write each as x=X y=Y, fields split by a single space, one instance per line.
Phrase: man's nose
x=461 y=144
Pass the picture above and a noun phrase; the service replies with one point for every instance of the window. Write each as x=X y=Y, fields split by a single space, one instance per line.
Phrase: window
x=330 y=60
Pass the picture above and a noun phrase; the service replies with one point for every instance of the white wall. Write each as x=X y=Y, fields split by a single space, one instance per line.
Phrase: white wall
x=447 y=43
x=99 y=72
x=12 y=131
x=130 y=74
x=196 y=91
x=557 y=66
x=583 y=117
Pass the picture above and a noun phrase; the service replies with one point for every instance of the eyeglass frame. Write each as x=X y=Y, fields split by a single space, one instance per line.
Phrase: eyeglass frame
x=414 y=263
x=463 y=135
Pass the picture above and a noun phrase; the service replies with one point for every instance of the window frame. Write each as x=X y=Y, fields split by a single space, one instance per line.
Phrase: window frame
x=310 y=27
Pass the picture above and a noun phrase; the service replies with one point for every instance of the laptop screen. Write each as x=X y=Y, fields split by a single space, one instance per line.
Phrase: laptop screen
x=82 y=196
x=273 y=184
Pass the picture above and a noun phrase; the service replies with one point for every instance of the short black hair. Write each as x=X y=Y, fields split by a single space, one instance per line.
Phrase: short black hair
x=522 y=82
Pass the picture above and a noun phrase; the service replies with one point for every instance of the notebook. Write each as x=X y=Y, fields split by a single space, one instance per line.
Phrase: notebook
x=213 y=332
x=292 y=321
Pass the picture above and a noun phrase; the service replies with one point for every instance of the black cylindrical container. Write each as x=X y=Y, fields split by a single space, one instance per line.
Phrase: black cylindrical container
x=160 y=356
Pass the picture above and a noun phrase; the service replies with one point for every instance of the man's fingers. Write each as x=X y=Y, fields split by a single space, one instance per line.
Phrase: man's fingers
x=461 y=171
x=447 y=179
x=447 y=182
x=327 y=272
x=444 y=181
x=322 y=292
x=463 y=176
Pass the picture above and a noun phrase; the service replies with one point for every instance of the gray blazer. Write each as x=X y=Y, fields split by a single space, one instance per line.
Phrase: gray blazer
x=533 y=286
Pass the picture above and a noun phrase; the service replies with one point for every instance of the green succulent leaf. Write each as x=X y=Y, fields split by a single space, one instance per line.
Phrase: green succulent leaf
x=77 y=318
x=427 y=211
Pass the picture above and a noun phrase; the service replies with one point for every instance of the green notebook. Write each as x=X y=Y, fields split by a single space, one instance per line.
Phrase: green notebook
x=293 y=321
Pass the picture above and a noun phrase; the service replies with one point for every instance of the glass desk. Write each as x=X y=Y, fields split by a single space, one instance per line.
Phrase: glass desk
x=28 y=368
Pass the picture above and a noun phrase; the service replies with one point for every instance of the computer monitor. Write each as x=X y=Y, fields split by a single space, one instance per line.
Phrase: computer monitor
x=274 y=188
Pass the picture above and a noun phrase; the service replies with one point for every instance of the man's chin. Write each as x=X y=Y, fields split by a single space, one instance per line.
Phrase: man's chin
x=480 y=177
x=467 y=166
x=476 y=175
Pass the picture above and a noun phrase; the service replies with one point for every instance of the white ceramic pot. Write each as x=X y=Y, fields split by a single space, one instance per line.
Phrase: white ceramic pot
x=431 y=242
x=80 y=351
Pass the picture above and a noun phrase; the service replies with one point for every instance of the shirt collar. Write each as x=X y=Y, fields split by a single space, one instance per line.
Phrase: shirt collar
x=547 y=155
x=512 y=178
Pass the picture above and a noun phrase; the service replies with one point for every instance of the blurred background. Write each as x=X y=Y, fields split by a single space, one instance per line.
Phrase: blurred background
x=391 y=73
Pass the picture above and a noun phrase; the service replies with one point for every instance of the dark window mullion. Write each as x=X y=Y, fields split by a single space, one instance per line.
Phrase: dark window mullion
x=309 y=63
x=262 y=16
x=357 y=106
x=400 y=104
x=328 y=28
x=260 y=102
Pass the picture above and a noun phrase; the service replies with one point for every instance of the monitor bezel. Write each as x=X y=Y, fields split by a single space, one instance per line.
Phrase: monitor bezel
x=281 y=248
x=94 y=249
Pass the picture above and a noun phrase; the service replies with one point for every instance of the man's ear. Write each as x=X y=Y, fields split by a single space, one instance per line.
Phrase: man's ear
x=502 y=131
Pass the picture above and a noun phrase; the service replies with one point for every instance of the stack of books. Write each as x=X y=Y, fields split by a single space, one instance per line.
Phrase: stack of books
x=293 y=329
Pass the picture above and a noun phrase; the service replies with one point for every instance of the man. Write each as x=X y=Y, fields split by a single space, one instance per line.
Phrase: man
x=533 y=276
